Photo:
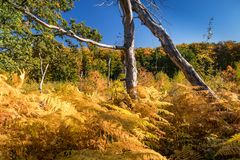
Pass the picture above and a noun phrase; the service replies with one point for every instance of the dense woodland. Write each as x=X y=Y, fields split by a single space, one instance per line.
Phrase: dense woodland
x=71 y=64
x=84 y=112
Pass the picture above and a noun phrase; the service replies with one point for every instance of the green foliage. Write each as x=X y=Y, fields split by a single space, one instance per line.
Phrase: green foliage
x=227 y=53
x=206 y=58
x=21 y=40
x=163 y=80
x=187 y=153
x=231 y=148
x=98 y=59
x=237 y=71
x=155 y=60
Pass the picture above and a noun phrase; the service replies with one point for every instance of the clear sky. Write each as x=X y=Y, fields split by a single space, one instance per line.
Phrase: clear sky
x=187 y=21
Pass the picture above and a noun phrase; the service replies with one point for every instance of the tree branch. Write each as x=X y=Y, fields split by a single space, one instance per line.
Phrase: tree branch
x=171 y=50
x=107 y=3
x=69 y=33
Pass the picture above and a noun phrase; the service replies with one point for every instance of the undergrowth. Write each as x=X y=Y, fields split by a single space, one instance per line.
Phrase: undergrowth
x=95 y=122
x=68 y=124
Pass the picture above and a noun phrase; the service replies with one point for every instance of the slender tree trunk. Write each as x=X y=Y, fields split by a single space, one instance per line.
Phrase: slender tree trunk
x=130 y=61
x=43 y=72
x=109 y=72
x=173 y=53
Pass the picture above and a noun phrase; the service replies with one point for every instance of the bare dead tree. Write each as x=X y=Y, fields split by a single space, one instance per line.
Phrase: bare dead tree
x=171 y=50
x=147 y=18
x=209 y=34
x=130 y=61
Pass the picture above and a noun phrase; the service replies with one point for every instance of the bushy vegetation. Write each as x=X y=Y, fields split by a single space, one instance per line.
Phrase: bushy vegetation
x=68 y=64
x=93 y=121
x=84 y=115
x=68 y=124
x=206 y=58
x=83 y=111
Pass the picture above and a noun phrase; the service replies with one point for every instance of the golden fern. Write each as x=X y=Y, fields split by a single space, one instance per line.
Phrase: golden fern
x=69 y=119
x=98 y=155
x=187 y=153
x=235 y=138
x=231 y=148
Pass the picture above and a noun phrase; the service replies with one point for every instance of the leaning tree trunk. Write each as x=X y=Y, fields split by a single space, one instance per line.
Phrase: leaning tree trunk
x=173 y=53
x=130 y=61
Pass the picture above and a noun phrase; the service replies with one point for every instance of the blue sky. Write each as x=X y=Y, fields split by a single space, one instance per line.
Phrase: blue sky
x=187 y=21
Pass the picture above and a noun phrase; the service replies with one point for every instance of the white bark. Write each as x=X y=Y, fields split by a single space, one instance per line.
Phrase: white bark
x=130 y=61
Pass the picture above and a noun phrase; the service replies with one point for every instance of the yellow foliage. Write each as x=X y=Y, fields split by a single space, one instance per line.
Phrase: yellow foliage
x=67 y=123
x=95 y=83
x=51 y=126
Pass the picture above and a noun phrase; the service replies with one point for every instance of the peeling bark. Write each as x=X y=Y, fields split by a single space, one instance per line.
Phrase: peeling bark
x=171 y=50
x=130 y=61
